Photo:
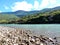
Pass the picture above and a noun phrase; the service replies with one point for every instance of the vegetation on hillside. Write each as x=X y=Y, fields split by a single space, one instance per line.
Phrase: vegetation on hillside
x=43 y=18
x=6 y=18
x=39 y=18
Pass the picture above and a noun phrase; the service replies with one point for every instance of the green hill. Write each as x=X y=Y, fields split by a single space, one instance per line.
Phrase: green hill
x=6 y=18
x=43 y=18
x=47 y=17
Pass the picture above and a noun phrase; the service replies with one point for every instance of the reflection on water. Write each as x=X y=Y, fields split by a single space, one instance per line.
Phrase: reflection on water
x=47 y=29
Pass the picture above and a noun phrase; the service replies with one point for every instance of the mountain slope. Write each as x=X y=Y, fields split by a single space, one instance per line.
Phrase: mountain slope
x=48 y=15
x=5 y=18
x=21 y=13
x=50 y=9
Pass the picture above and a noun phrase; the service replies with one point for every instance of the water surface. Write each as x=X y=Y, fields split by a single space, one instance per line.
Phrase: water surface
x=47 y=29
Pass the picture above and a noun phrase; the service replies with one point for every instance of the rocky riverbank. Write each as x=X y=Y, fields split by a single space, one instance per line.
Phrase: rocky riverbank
x=16 y=36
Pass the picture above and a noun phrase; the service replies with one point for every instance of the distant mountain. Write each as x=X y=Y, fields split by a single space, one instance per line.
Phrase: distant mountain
x=21 y=13
x=56 y=8
x=50 y=9
x=52 y=15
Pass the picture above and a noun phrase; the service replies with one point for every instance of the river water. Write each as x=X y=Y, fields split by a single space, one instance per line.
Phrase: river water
x=51 y=30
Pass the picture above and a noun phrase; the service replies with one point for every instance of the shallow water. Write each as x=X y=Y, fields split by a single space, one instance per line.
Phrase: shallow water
x=45 y=29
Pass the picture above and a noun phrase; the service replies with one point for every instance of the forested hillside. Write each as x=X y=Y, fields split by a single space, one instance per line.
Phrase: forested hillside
x=43 y=18
x=6 y=18
x=50 y=17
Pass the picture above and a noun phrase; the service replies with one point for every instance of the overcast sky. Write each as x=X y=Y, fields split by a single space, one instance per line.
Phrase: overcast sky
x=27 y=5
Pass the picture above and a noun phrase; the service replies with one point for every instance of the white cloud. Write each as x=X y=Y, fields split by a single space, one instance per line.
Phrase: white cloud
x=44 y=4
x=22 y=6
x=6 y=7
x=0 y=11
x=52 y=3
x=36 y=5
x=49 y=4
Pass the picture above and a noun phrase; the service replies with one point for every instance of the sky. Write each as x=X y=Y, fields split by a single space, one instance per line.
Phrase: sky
x=27 y=5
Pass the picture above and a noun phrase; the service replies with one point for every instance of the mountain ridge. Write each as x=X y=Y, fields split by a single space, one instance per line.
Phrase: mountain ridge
x=21 y=13
x=45 y=16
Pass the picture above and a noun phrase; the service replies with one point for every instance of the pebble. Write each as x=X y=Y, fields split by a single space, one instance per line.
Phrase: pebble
x=13 y=36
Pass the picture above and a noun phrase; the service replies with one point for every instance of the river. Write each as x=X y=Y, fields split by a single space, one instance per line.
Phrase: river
x=45 y=29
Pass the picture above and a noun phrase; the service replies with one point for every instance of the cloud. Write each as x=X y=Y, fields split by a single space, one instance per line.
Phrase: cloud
x=6 y=7
x=0 y=11
x=52 y=3
x=36 y=5
x=49 y=4
x=44 y=4
x=22 y=6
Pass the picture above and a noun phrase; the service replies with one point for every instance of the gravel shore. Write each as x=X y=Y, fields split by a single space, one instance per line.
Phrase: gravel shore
x=16 y=36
